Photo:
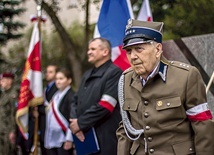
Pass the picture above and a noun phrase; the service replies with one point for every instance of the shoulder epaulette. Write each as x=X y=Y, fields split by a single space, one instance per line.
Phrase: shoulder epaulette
x=127 y=70
x=180 y=65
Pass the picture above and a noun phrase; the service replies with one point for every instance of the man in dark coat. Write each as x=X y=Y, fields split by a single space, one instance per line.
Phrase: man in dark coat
x=50 y=90
x=96 y=99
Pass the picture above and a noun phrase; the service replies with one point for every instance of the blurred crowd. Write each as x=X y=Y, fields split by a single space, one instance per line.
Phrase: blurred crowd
x=64 y=112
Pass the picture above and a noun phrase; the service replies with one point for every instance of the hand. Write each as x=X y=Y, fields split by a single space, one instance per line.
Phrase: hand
x=12 y=138
x=74 y=126
x=35 y=112
x=68 y=145
x=80 y=136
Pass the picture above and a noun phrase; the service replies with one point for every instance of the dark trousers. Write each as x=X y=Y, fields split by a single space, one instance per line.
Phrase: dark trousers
x=24 y=145
x=59 y=151
x=23 y=150
x=43 y=149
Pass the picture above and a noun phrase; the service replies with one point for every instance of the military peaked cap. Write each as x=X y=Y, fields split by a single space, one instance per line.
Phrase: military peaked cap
x=138 y=32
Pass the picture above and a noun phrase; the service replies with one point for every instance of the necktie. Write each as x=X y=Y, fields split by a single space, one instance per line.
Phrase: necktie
x=47 y=89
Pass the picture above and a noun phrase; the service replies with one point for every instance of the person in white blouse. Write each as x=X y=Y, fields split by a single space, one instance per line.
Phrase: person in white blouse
x=58 y=136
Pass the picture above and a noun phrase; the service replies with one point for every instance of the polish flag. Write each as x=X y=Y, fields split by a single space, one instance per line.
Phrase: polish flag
x=111 y=25
x=31 y=91
x=145 y=13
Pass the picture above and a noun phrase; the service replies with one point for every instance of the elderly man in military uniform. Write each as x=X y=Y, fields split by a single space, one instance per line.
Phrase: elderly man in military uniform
x=8 y=98
x=163 y=103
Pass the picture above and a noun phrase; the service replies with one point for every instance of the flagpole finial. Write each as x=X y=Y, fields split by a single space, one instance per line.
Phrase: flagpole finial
x=39 y=17
x=39 y=9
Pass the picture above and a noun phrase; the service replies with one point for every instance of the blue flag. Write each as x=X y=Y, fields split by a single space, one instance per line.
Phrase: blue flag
x=111 y=25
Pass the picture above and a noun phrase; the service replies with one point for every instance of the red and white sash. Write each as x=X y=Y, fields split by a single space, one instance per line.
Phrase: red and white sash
x=63 y=123
x=58 y=117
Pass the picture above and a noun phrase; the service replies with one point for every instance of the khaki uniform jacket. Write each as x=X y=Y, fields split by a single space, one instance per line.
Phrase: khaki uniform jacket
x=159 y=107
x=8 y=101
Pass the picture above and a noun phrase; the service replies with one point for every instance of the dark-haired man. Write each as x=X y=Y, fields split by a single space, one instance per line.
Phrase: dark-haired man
x=96 y=99
x=49 y=91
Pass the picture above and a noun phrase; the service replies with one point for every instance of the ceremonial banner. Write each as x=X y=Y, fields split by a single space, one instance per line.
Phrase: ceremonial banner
x=145 y=13
x=31 y=91
x=111 y=25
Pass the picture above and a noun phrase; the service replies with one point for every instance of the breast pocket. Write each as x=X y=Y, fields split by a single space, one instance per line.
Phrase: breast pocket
x=170 y=111
x=187 y=148
x=131 y=106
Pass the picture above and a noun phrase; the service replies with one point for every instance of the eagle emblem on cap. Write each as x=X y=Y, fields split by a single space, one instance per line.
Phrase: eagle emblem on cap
x=129 y=24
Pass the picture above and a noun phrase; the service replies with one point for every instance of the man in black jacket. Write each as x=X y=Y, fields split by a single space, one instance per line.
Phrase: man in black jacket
x=48 y=94
x=96 y=100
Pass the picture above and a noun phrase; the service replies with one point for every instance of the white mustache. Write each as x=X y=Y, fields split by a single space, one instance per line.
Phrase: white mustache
x=137 y=63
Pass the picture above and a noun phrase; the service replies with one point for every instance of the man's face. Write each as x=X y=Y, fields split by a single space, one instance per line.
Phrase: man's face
x=6 y=83
x=50 y=73
x=96 y=52
x=144 y=57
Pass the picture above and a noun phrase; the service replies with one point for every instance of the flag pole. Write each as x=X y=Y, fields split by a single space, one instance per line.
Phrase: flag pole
x=31 y=93
x=35 y=109
x=210 y=82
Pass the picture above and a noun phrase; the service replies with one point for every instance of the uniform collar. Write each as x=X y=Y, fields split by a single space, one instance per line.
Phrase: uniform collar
x=160 y=70
x=163 y=69
x=151 y=75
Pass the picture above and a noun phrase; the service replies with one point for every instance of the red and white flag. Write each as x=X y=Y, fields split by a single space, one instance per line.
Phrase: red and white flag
x=111 y=25
x=145 y=13
x=31 y=91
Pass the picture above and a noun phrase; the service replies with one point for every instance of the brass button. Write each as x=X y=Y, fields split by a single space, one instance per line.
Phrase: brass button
x=147 y=127
x=149 y=139
x=151 y=150
x=190 y=149
x=146 y=102
x=168 y=104
x=146 y=114
x=128 y=107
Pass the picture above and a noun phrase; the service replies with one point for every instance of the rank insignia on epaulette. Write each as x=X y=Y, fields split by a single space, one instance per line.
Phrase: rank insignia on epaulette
x=184 y=65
